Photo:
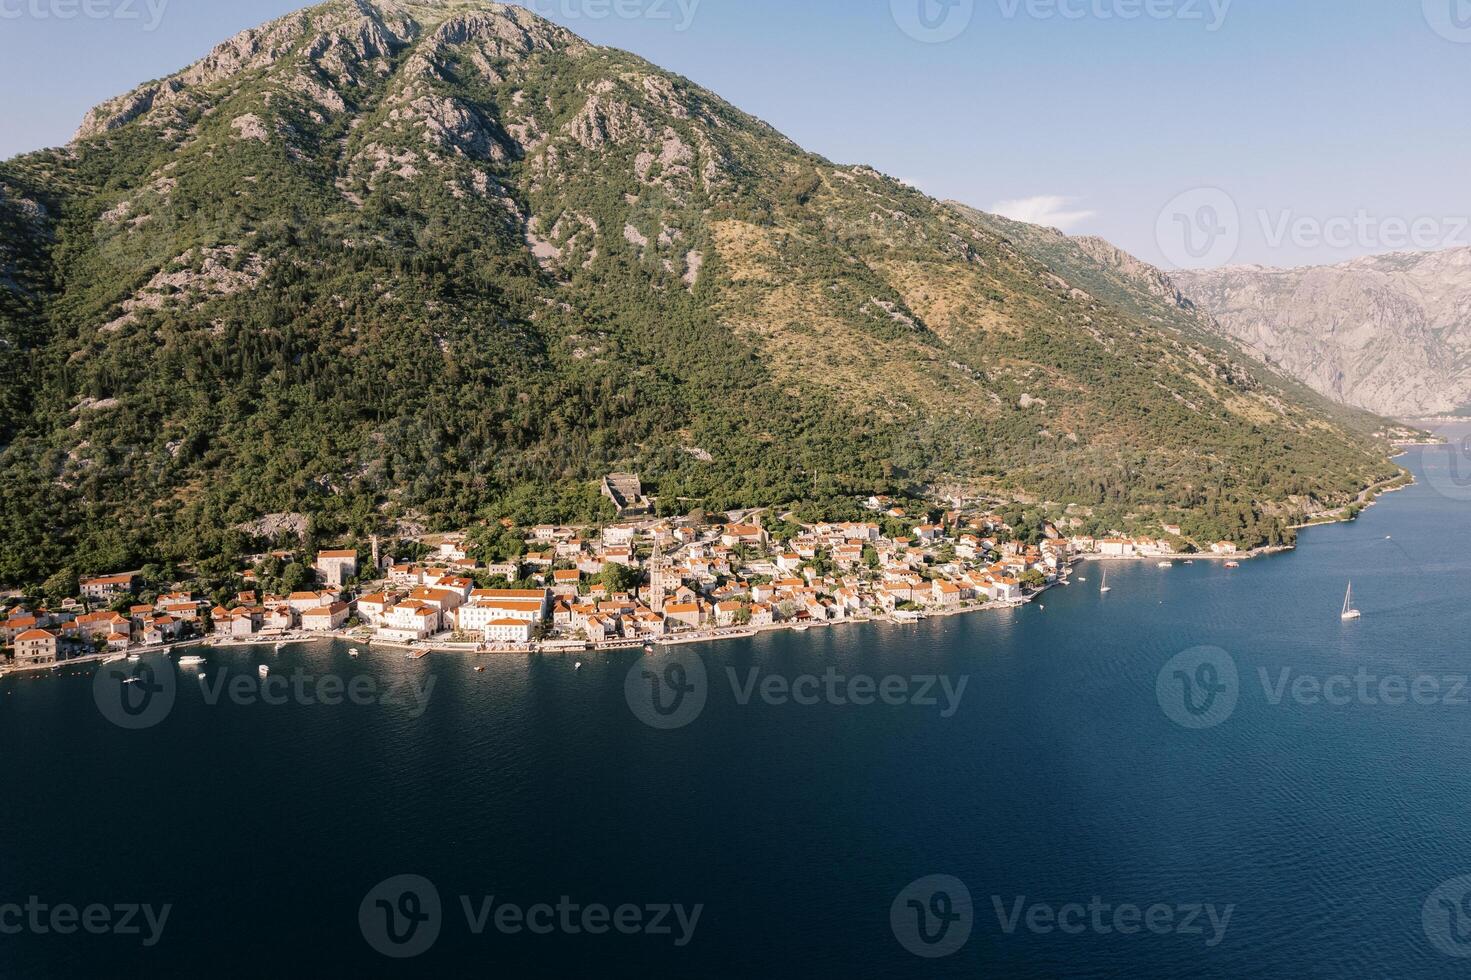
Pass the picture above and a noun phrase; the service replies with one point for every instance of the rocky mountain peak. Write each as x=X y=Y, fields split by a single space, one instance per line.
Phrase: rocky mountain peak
x=330 y=46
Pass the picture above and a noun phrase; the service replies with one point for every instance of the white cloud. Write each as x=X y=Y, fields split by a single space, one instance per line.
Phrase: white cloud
x=1048 y=209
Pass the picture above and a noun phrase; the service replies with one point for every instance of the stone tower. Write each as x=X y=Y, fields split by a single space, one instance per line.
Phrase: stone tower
x=659 y=567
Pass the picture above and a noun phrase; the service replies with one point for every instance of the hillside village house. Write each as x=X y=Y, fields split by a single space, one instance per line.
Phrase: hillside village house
x=107 y=623
x=301 y=602
x=336 y=567
x=479 y=615
x=244 y=621
x=686 y=613
x=324 y=619
x=508 y=631
x=408 y=621
x=565 y=583
x=372 y=608
x=105 y=588
x=750 y=535
x=36 y=648
x=726 y=613
x=278 y=619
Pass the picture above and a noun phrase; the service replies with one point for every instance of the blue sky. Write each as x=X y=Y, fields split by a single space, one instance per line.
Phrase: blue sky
x=1194 y=132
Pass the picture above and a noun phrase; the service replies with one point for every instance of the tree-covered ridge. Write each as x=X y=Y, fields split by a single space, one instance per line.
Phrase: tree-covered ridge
x=428 y=263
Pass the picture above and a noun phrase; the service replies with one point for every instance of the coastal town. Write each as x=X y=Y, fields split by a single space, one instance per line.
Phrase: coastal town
x=638 y=581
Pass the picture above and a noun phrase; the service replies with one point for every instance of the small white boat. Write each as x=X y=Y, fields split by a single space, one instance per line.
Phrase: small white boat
x=1349 y=612
x=1233 y=564
x=131 y=680
x=190 y=661
x=801 y=629
x=279 y=647
x=577 y=666
x=1166 y=564
x=134 y=656
x=265 y=670
x=354 y=653
x=1105 y=587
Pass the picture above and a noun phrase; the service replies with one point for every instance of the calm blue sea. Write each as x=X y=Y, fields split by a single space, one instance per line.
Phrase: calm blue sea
x=1088 y=777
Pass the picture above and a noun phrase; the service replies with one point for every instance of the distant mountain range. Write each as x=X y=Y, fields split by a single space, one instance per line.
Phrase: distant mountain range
x=413 y=264
x=1389 y=333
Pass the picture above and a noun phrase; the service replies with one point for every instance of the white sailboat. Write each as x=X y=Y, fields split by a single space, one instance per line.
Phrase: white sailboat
x=1349 y=612
x=1105 y=587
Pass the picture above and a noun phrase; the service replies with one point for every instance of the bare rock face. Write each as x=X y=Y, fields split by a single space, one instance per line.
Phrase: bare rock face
x=1142 y=273
x=1388 y=333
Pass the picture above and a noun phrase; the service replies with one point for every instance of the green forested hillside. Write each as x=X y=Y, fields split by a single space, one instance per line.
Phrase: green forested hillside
x=427 y=263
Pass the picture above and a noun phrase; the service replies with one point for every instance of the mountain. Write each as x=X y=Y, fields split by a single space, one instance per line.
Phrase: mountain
x=1389 y=333
x=381 y=265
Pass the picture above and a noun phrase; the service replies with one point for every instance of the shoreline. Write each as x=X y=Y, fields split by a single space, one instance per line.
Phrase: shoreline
x=1369 y=497
x=710 y=636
